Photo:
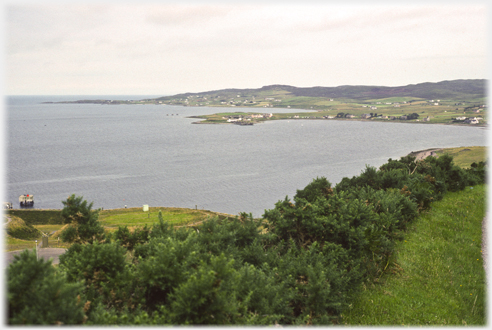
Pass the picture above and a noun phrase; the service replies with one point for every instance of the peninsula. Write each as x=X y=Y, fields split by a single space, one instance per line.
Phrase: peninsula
x=447 y=102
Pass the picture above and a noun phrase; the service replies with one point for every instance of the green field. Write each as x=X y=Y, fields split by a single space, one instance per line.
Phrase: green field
x=437 y=276
x=444 y=113
x=133 y=217
x=464 y=156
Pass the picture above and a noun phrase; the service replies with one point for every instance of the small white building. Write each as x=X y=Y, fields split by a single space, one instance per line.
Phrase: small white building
x=472 y=121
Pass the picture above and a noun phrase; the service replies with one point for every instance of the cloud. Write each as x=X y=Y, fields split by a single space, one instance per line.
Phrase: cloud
x=193 y=47
x=179 y=15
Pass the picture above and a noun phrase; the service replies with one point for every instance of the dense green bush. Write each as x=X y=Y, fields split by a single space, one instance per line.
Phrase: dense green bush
x=38 y=294
x=103 y=270
x=129 y=239
x=84 y=226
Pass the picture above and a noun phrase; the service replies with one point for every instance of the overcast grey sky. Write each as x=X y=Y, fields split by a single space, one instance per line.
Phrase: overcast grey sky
x=162 y=48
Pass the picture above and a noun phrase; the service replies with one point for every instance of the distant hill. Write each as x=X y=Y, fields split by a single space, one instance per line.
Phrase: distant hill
x=450 y=90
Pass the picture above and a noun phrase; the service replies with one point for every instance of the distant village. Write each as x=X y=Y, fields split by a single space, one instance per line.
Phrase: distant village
x=269 y=102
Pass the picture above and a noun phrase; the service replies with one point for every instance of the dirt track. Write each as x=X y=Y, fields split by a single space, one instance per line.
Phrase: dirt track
x=422 y=154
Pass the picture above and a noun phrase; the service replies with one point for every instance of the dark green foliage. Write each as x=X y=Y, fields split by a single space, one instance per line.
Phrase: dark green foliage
x=129 y=239
x=165 y=265
x=84 y=226
x=320 y=187
x=207 y=296
x=477 y=173
x=38 y=294
x=103 y=270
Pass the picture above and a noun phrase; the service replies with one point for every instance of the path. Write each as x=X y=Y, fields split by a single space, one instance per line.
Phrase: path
x=423 y=154
x=45 y=253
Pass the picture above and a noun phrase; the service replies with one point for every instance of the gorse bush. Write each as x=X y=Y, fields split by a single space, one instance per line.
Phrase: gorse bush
x=39 y=294
x=302 y=263
x=82 y=220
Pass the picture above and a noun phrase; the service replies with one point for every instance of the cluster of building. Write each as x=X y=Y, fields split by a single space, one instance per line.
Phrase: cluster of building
x=468 y=120
x=238 y=118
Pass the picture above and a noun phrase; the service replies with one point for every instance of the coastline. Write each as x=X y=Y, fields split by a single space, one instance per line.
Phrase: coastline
x=422 y=154
x=482 y=125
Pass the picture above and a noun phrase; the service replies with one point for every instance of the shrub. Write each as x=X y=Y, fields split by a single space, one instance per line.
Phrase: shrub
x=103 y=270
x=164 y=265
x=37 y=294
x=83 y=220
x=207 y=296
x=129 y=239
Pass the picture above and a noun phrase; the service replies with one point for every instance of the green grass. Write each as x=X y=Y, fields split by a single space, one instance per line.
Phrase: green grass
x=438 y=114
x=18 y=228
x=14 y=244
x=35 y=216
x=133 y=217
x=47 y=229
x=438 y=276
x=465 y=156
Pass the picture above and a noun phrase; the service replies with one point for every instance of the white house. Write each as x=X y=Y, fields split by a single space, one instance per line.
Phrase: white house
x=472 y=120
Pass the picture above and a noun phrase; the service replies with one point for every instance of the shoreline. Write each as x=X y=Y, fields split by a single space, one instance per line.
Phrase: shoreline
x=422 y=154
x=483 y=125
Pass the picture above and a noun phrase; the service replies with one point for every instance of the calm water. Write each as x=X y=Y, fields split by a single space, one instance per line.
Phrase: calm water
x=117 y=155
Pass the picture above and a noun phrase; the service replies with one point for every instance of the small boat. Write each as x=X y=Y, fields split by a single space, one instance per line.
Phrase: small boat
x=26 y=200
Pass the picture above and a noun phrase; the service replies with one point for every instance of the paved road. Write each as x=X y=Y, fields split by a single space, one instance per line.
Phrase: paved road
x=45 y=253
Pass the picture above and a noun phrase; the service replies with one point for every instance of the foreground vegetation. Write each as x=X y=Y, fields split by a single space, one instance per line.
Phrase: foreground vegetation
x=305 y=262
x=437 y=278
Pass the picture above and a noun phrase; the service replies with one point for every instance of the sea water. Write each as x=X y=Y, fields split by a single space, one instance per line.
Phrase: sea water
x=131 y=155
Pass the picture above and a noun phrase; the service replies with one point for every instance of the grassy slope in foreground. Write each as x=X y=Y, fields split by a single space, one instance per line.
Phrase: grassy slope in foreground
x=439 y=276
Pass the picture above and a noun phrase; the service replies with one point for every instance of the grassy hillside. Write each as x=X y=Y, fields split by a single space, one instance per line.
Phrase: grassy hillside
x=437 y=276
x=34 y=217
x=19 y=229
x=472 y=89
x=465 y=156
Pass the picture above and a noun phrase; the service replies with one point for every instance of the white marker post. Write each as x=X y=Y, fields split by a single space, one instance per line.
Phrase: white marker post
x=36 y=249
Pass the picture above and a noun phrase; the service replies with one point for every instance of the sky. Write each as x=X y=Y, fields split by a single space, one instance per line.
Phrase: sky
x=165 y=48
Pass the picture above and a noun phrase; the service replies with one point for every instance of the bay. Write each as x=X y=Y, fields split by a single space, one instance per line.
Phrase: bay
x=117 y=155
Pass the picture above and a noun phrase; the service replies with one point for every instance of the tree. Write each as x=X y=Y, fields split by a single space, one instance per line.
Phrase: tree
x=38 y=294
x=83 y=225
